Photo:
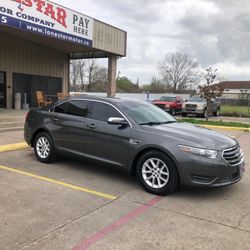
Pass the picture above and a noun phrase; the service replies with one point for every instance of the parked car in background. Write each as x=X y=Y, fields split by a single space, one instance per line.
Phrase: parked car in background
x=171 y=104
x=138 y=137
x=198 y=106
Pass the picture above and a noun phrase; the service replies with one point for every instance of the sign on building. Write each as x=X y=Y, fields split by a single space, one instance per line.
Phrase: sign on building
x=48 y=19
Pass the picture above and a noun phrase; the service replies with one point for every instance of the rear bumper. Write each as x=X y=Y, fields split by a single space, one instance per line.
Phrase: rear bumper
x=27 y=134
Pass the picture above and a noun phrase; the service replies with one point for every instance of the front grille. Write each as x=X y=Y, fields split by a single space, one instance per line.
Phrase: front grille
x=233 y=156
x=202 y=179
x=191 y=106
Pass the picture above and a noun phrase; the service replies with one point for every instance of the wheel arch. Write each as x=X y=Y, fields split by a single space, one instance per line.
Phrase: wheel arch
x=38 y=131
x=152 y=148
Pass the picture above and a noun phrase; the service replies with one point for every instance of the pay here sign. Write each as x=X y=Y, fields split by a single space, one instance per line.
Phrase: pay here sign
x=48 y=19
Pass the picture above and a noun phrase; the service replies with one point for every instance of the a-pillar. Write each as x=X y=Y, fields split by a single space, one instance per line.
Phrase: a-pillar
x=112 y=68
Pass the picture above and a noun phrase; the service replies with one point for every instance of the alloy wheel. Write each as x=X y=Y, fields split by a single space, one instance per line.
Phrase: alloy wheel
x=155 y=173
x=43 y=147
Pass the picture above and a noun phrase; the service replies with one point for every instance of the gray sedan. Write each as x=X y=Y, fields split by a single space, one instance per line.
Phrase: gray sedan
x=138 y=137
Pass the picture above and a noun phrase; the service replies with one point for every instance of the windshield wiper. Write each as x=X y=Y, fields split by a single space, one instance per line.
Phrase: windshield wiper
x=151 y=123
x=156 y=123
x=168 y=122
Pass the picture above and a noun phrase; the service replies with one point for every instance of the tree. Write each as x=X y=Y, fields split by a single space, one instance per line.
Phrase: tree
x=126 y=85
x=87 y=75
x=156 y=86
x=100 y=80
x=74 y=75
x=77 y=69
x=178 y=71
x=92 y=69
x=210 y=91
x=81 y=66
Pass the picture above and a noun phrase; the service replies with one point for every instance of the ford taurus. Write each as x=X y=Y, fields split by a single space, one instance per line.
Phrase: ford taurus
x=138 y=137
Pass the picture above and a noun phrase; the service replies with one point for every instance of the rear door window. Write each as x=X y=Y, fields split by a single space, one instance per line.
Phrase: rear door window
x=77 y=108
x=60 y=108
x=102 y=112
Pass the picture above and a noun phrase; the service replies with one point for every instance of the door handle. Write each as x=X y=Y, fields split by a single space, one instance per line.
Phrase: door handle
x=55 y=119
x=92 y=126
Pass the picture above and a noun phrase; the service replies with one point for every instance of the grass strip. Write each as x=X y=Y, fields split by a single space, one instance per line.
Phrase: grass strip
x=215 y=123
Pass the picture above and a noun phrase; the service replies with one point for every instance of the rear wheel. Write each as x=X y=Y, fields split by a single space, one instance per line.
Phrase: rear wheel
x=157 y=173
x=44 y=148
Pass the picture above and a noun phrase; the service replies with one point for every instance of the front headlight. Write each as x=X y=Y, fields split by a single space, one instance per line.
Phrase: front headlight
x=201 y=106
x=211 y=154
x=166 y=105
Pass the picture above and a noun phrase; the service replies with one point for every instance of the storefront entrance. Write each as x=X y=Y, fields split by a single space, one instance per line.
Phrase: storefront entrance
x=29 y=84
x=2 y=90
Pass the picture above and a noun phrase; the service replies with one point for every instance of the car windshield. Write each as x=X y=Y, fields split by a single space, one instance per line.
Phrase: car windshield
x=196 y=98
x=146 y=113
x=168 y=98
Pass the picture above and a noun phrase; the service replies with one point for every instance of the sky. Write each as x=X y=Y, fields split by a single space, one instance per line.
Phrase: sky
x=216 y=33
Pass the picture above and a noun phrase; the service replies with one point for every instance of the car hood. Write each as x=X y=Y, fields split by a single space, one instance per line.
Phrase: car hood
x=195 y=103
x=192 y=135
x=162 y=102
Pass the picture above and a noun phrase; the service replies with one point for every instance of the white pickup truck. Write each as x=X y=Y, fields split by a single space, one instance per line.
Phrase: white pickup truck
x=198 y=106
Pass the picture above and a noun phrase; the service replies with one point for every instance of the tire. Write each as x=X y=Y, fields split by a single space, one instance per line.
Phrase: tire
x=217 y=112
x=183 y=114
x=204 y=113
x=147 y=167
x=44 y=148
x=172 y=111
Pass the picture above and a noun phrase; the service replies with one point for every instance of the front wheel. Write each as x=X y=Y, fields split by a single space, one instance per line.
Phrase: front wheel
x=204 y=115
x=173 y=112
x=157 y=173
x=44 y=148
x=217 y=112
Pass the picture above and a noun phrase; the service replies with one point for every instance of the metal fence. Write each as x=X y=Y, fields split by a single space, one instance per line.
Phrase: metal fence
x=234 y=102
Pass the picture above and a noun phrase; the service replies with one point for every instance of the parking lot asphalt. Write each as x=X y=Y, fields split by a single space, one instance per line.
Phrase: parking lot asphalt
x=72 y=204
x=11 y=137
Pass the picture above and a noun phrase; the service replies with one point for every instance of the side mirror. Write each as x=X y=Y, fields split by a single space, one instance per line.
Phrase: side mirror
x=117 y=121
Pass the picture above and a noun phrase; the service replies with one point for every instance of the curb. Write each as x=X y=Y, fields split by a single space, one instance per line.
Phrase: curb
x=15 y=146
x=225 y=127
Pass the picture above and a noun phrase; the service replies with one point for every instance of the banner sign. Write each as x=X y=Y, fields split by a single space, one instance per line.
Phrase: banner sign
x=48 y=19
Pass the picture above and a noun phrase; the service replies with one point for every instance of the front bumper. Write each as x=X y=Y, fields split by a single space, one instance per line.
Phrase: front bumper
x=209 y=173
x=192 y=111
x=163 y=107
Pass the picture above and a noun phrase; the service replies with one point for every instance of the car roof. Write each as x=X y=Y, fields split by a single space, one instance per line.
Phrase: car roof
x=197 y=96
x=111 y=100
x=169 y=96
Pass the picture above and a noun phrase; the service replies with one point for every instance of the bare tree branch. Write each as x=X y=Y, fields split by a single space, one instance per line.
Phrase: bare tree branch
x=210 y=91
x=178 y=70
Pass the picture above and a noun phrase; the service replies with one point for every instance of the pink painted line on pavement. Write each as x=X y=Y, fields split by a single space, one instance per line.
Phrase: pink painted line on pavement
x=116 y=225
